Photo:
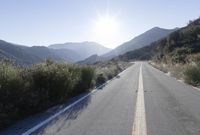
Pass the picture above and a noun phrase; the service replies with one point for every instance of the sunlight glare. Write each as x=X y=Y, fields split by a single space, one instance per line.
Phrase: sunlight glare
x=106 y=29
x=106 y=26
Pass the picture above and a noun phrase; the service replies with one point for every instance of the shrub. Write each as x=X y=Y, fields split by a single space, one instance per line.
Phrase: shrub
x=179 y=55
x=11 y=87
x=87 y=77
x=110 y=76
x=24 y=91
x=27 y=90
x=192 y=75
x=85 y=81
x=101 y=78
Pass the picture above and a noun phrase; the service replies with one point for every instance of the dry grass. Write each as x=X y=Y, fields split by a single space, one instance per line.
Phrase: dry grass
x=189 y=73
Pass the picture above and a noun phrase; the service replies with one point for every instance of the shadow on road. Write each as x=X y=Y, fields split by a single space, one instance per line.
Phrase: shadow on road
x=101 y=87
x=65 y=119
x=71 y=114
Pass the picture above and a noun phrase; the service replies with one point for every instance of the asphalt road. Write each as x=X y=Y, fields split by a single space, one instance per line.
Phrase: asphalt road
x=108 y=111
x=170 y=107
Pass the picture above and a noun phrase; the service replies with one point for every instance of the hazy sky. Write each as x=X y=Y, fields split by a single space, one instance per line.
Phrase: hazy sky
x=44 y=22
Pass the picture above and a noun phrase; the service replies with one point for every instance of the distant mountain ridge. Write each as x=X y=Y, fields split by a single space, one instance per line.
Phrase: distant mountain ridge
x=17 y=53
x=140 y=41
x=31 y=55
x=181 y=46
x=84 y=49
x=83 y=52
x=91 y=60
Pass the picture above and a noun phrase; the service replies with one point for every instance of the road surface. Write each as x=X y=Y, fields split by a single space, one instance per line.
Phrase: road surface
x=142 y=101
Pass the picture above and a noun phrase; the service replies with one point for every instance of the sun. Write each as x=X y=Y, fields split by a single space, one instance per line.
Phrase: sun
x=106 y=26
x=106 y=29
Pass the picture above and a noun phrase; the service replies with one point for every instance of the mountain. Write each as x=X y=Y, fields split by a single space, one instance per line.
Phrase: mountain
x=17 y=53
x=67 y=54
x=140 y=41
x=55 y=54
x=31 y=55
x=91 y=60
x=84 y=49
x=42 y=52
x=181 y=46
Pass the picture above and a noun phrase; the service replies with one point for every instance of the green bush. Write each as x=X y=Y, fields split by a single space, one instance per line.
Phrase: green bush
x=179 y=55
x=28 y=90
x=192 y=75
x=110 y=76
x=101 y=78
x=85 y=80
x=11 y=87
x=87 y=77
x=24 y=91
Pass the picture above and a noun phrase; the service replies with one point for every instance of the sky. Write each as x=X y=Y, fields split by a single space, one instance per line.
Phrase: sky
x=108 y=22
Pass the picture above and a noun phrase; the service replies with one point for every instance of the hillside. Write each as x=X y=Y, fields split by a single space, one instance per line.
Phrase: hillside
x=17 y=53
x=84 y=49
x=42 y=53
x=31 y=55
x=178 y=47
x=67 y=54
x=72 y=52
x=91 y=60
x=140 y=41
x=54 y=54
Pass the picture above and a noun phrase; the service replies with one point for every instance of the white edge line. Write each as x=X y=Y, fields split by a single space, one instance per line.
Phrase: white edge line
x=33 y=129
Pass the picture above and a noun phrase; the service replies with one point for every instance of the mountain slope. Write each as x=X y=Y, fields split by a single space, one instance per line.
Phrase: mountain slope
x=67 y=54
x=84 y=49
x=91 y=60
x=31 y=55
x=42 y=53
x=17 y=53
x=140 y=41
x=70 y=52
x=177 y=47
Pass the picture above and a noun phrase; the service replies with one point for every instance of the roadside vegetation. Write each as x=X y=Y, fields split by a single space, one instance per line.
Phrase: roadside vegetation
x=192 y=75
x=189 y=71
x=28 y=90
x=179 y=53
x=107 y=70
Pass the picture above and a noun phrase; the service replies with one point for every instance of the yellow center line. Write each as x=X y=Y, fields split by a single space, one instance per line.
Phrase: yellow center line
x=139 y=125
